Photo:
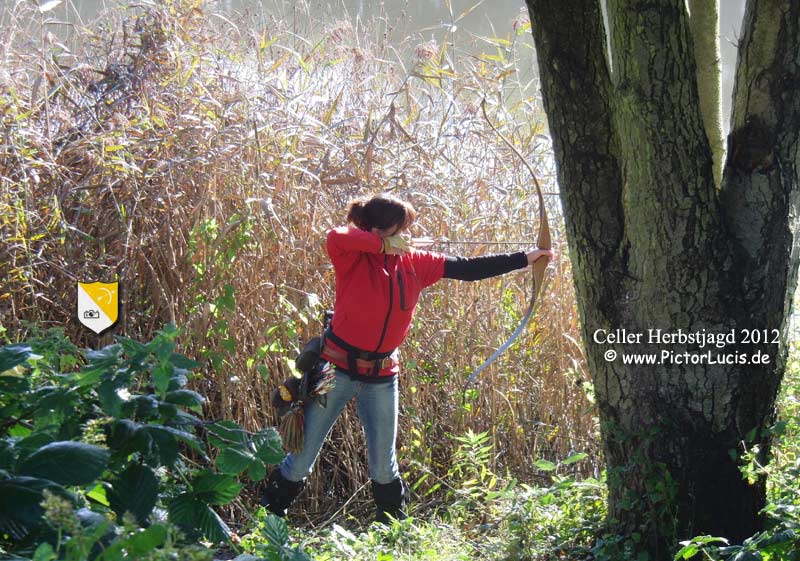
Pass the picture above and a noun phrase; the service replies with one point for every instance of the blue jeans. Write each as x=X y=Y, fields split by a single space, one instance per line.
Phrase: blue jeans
x=376 y=405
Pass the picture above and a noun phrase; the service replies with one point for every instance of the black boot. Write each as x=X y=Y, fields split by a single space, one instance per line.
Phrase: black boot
x=390 y=498
x=280 y=492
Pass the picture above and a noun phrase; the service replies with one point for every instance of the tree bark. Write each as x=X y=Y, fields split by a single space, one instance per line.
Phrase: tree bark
x=704 y=23
x=655 y=245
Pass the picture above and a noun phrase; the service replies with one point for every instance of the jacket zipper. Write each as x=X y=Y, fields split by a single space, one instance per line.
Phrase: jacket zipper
x=402 y=290
x=389 y=311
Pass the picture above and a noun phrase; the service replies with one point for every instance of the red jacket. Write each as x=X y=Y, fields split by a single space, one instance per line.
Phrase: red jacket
x=376 y=293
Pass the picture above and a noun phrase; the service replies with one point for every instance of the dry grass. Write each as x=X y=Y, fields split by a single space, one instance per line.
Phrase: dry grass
x=189 y=153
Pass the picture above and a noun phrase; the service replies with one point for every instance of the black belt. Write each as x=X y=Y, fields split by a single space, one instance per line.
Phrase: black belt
x=354 y=353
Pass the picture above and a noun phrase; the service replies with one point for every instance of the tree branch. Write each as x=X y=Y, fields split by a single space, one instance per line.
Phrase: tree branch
x=570 y=47
x=670 y=201
x=760 y=195
x=704 y=23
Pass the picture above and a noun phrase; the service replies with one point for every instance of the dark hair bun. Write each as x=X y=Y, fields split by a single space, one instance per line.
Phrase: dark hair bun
x=382 y=212
x=355 y=214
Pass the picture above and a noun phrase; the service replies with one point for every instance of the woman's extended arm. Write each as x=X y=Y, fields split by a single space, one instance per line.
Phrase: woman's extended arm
x=477 y=268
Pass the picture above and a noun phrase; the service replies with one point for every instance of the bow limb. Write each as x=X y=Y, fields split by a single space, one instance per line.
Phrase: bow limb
x=539 y=266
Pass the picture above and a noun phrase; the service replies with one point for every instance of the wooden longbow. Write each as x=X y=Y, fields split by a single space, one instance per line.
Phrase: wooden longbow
x=539 y=266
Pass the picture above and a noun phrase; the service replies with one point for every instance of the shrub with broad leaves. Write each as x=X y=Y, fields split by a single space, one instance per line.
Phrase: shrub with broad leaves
x=113 y=458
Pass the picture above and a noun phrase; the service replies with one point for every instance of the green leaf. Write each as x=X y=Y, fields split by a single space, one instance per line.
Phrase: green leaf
x=142 y=407
x=257 y=471
x=225 y=433
x=181 y=510
x=132 y=347
x=709 y=539
x=163 y=343
x=276 y=531
x=122 y=432
x=94 y=525
x=146 y=541
x=180 y=361
x=167 y=411
x=59 y=402
x=746 y=555
x=162 y=372
x=14 y=355
x=690 y=547
x=211 y=525
x=574 y=458
x=20 y=508
x=19 y=431
x=778 y=429
x=233 y=461
x=545 y=465
x=107 y=356
x=7 y=454
x=134 y=491
x=187 y=398
x=13 y=385
x=186 y=437
x=88 y=375
x=268 y=446
x=108 y=394
x=44 y=553
x=300 y=555
x=188 y=511
x=138 y=545
x=182 y=418
x=214 y=488
x=180 y=378
x=158 y=445
x=98 y=494
x=66 y=462
x=31 y=443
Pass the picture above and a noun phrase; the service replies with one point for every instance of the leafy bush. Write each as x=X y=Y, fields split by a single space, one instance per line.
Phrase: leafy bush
x=269 y=541
x=564 y=517
x=403 y=540
x=112 y=458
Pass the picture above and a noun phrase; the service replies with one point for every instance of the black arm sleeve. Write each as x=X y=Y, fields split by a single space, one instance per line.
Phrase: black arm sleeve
x=477 y=268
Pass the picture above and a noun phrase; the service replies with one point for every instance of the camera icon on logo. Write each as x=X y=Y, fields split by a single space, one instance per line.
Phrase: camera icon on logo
x=91 y=314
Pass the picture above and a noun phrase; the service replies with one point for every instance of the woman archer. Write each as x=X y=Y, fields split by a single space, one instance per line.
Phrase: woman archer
x=379 y=278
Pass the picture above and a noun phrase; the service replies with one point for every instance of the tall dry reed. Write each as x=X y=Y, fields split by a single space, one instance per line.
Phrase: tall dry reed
x=200 y=159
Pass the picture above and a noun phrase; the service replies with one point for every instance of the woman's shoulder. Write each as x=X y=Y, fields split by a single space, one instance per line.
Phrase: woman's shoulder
x=424 y=254
x=428 y=265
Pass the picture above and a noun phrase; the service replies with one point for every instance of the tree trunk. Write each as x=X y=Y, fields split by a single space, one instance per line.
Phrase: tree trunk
x=654 y=245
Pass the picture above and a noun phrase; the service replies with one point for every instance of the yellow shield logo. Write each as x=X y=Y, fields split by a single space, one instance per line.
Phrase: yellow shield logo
x=98 y=304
